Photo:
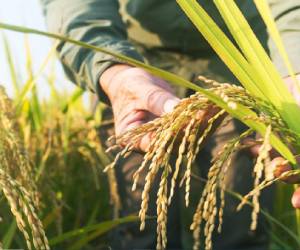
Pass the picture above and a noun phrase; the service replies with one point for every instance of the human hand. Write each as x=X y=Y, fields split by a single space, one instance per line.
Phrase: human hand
x=290 y=83
x=136 y=97
x=280 y=164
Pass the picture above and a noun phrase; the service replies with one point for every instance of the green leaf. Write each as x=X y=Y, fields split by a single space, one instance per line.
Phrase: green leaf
x=222 y=45
x=9 y=235
x=100 y=228
x=12 y=68
x=265 y=12
x=269 y=80
x=30 y=83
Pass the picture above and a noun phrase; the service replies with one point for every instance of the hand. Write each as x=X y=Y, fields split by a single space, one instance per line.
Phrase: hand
x=290 y=82
x=136 y=98
x=281 y=164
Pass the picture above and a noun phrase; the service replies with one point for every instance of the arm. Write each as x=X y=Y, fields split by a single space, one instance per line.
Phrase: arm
x=83 y=20
x=135 y=96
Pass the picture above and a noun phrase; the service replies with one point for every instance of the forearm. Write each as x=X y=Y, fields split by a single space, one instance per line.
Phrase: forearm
x=106 y=80
x=83 y=20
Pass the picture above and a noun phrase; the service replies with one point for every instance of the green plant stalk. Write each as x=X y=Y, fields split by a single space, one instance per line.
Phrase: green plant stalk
x=270 y=81
x=8 y=237
x=240 y=112
x=30 y=83
x=12 y=68
x=265 y=12
x=265 y=213
x=100 y=228
x=228 y=53
x=265 y=77
x=222 y=45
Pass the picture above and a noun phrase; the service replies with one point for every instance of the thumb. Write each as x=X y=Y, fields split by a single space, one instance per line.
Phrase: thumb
x=160 y=102
x=296 y=198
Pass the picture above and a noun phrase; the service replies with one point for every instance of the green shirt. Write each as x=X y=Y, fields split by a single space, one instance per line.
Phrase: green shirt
x=164 y=22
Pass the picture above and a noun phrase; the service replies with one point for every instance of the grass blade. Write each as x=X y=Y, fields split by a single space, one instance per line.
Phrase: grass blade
x=9 y=235
x=222 y=45
x=73 y=98
x=12 y=69
x=270 y=81
x=101 y=228
x=30 y=83
x=265 y=12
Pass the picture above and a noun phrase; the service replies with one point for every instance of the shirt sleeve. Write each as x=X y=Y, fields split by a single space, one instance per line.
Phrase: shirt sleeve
x=287 y=17
x=97 y=22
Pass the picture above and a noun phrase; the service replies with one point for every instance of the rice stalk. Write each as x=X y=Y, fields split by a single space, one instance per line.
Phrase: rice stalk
x=206 y=210
x=16 y=178
x=182 y=133
x=262 y=161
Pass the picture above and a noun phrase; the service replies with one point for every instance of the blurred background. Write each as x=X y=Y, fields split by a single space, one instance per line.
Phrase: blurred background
x=27 y=13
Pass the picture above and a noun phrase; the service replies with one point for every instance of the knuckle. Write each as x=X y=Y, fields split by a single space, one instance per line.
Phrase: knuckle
x=153 y=95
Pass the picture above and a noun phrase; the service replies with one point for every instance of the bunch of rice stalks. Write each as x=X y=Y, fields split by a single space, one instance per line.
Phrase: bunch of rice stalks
x=182 y=133
x=66 y=145
x=16 y=178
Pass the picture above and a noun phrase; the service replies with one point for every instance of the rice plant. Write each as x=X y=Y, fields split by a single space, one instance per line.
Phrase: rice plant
x=16 y=178
x=186 y=127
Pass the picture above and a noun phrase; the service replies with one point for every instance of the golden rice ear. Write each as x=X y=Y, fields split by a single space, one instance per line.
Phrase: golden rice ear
x=181 y=134
x=17 y=179
x=207 y=210
x=247 y=60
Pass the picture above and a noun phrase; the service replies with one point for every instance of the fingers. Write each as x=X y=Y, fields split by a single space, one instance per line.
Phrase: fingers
x=296 y=198
x=145 y=142
x=293 y=88
x=153 y=96
x=169 y=104
x=129 y=121
x=281 y=166
x=254 y=146
x=159 y=101
x=134 y=120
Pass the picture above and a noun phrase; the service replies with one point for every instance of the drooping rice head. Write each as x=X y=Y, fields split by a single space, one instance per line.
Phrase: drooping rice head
x=183 y=132
x=17 y=178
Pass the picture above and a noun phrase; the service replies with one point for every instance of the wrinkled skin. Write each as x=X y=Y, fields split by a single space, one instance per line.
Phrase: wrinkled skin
x=137 y=97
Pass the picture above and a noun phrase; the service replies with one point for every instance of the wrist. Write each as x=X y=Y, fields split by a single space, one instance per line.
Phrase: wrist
x=106 y=80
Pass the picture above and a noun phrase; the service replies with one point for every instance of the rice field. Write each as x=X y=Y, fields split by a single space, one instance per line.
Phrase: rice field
x=46 y=146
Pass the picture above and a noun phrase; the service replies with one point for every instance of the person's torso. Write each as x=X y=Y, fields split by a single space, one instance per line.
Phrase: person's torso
x=162 y=23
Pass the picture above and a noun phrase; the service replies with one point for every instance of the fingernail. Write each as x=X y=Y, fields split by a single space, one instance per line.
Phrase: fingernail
x=296 y=201
x=170 y=104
